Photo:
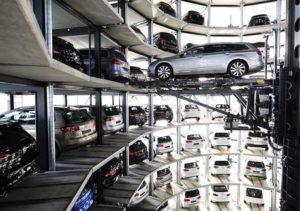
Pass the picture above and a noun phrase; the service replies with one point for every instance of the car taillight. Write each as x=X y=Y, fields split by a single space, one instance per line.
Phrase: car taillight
x=162 y=40
x=132 y=153
x=215 y=138
x=187 y=141
x=215 y=194
x=186 y=199
x=159 y=145
x=265 y=139
x=216 y=167
x=186 y=110
x=56 y=49
x=136 y=194
x=3 y=155
x=158 y=178
x=249 y=138
x=70 y=129
x=109 y=119
x=228 y=194
x=264 y=170
x=185 y=169
x=131 y=114
x=198 y=197
x=109 y=173
x=259 y=53
x=198 y=168
x=117 y=61
x=248 y=167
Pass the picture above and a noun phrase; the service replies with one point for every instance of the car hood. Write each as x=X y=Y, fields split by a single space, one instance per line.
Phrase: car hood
x=165 y=59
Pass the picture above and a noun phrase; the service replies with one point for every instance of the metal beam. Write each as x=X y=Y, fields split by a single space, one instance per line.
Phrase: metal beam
x=151 y=110
x=99 y=116
x=126 y=161
x=125 y=110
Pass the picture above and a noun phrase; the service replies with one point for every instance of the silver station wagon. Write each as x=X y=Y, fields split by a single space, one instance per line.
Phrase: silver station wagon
x=234 y=59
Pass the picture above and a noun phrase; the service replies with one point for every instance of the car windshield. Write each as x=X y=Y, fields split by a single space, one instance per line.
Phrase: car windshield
x=164 y=139
x=192 y=193
x=190 y=165
x=221 y=163
x=220 y=188
x=191 y=107
x=161 y=108
x=143 y=185
x=193 y=137
x=256 y=193
x=120 y=56
x=163 y=172
x=222 y=106
x=111 y=111
x=222 y=135
x=257 y=134
x=256 y=164
x=76 y=116
x=135 y=109
x=137 y=146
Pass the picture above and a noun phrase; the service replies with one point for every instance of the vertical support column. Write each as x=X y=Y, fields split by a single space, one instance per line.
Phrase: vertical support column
x=274 y=181
x=150 y=32
x=178 y=206
x=151 y=149
x=277 y=36
x=239 y=140
x=151 y=185
x=241 y=19
x=42 y=129
x=151 y=110
x=126 y=161
x=207 y=168
x=99 y=182
x=125 y=111
x=66 y=100
x=179 y=31
x=99 y=116
x=239 y=167
x=208 y=18
x=124 y=10
x=207 y=197
x=48 y=25
x=178 y=135
x=178 y=176
x=97 y=52
x=51 y=127
x=11 y=105
x=239 y=196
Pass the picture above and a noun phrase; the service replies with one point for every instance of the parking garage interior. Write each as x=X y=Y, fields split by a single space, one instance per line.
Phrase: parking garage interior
x=139 y=105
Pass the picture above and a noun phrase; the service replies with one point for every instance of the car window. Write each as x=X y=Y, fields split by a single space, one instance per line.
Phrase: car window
x=143 y=185
x=222 y=135
x=162 y=108
x=164 y=139
x=254 y=193
x=76 y=116
x=193 y=137
x=111 y=111
x=221 y=163
x=235 y=47
x=192 y=193
x=216 y=48
x=11 y=138
x=190 y=165
x=163 y=172
x=220 y=188
x=135 y=109
x=257 y=134
x=137 y=146
x=120 y=56
x=222 y=106
x=256 y=164
x=191 y=107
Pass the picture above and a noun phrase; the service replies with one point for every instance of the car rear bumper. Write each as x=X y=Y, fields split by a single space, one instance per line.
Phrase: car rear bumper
x=161 y=151
x=257 y=146
x=112 y=129
x=254 y=174
x=71 y=143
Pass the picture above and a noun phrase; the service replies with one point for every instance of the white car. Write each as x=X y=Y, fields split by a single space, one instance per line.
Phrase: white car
x=190 y=111
x=254 y=196
x=192 y=141
x=220 y=139
x=140 y=194
x=163 y=177
x=228 y=124
x=220 y=167
x=190 y=198
x=164 y=207
x=217 y=115
x=257 y=140
x=190 y=169
x=255 y=169
x=164 y=144
x=220 y=193
x=113 y=120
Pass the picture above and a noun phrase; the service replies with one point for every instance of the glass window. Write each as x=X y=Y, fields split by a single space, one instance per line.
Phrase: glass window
x=110 y=111
x=256 y=193
x=76 y=116
x=192 y=193
x=230 y=16
x=222 y=135
x=165 y=139
x=256 y=164
x=120 y=56
x=236 y=47
x=220 y=188
x=190 y=165
x=221 y=163
x=214 y=48
x=194 y=137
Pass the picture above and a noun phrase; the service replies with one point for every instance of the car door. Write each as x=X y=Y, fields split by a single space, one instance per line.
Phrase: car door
x=188 y=62
x=214 y=58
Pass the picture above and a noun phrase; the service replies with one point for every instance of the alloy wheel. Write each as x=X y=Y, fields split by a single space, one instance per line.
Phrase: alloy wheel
x=164 y=72
x=237 y=69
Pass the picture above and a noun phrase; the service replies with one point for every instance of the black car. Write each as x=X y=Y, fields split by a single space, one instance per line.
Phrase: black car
x=194 y=17
x=189 y=45
x=65 y=52
x=18 y=154
x=165 y=41
x=137 y=116
x=166 y=8
x=259 y=20
x=111 y=172
x=139 y=33
x=137 y=152
x=163 y=112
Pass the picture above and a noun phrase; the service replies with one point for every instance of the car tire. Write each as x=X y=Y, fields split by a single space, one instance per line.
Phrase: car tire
x=198 y=119
x=245 y=202
x=246 y=146
x=237 y=68
x=164 y=71
x=182 y=149
x=212 y=146
x=228 y=147
x=267 y=148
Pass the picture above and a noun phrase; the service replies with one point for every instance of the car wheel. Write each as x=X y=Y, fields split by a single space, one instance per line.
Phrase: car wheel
x=267 y=148
x=198 y=119
x=182 y=119
x=245 y=202
x=237 y=68
x=182 y=149
x=246 y=146
x=212 y=146
x=228 y=147
x=164 y=72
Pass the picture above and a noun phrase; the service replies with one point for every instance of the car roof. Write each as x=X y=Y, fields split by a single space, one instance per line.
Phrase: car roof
x=223 y=43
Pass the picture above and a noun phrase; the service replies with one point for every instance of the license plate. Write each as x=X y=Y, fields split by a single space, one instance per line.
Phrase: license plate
x=118 y=121
x=256 y=172
x=196 y=143
x=193 y=201
x=167 y=147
